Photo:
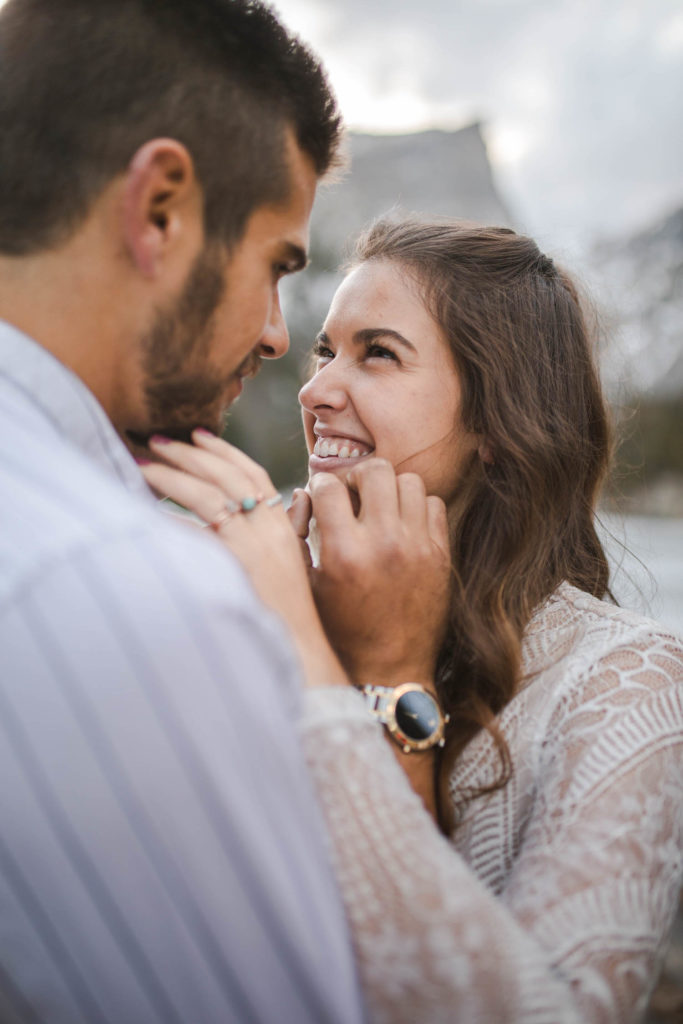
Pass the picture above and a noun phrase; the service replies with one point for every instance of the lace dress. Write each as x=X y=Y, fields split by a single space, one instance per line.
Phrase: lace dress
x=553 y=901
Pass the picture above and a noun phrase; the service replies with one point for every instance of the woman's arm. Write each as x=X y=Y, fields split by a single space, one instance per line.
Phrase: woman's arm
x=576 y=935
x=382 y=584
x=382 y=587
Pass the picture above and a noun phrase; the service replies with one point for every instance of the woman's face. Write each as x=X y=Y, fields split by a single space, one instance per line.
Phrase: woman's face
x=385 y=384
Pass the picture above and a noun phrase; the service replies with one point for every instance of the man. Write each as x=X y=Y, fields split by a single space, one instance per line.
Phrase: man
x=161 y=856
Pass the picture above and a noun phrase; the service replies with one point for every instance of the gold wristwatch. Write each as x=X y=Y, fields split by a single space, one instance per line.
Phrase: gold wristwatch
x=411 y=714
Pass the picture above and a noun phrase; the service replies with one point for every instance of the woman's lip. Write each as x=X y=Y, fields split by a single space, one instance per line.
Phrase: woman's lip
x=333 y=435
x=316 y=464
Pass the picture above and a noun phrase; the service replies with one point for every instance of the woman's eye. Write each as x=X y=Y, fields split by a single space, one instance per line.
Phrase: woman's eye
x=322 y=352
x=380 y=352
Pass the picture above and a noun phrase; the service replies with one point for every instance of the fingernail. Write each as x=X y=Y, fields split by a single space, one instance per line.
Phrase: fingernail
x=160 y=439
x=203 y=431
x=142 y=462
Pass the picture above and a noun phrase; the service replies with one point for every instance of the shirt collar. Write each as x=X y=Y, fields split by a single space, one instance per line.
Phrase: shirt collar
x=68 y=404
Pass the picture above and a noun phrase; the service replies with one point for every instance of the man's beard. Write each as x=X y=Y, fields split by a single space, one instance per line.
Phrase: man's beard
x=182 y=389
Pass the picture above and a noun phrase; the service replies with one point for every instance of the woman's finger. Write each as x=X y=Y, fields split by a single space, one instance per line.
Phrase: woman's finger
x=412 y=501
x=233 y=456
x=437 y=524
x=203 y=498
x=333 y=512
x=212 y=467
x=375 y=482
x=300 y=512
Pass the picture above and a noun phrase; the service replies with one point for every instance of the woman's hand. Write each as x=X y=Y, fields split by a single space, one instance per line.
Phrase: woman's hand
x=212 y=479
x=382 y=585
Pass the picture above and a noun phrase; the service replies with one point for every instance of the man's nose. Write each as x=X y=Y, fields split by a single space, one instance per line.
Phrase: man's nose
x=275 y=339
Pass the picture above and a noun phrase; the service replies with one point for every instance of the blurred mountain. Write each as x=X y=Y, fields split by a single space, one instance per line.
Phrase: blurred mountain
x=433 y=173
x=443 y=174
x=436 y=173
x=639 y=280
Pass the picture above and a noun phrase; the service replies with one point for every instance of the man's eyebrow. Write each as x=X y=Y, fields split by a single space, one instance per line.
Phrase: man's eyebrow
x=295 y=256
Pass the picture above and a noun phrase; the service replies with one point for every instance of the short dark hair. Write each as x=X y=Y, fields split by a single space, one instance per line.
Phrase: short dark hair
x=85 y=83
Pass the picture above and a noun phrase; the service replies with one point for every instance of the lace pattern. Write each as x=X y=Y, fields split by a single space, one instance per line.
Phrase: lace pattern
x=554 y=898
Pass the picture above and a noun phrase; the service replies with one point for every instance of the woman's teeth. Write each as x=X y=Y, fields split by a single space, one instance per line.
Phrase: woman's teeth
x=328 y=449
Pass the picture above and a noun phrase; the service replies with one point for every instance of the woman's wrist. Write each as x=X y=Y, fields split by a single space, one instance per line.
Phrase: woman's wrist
x=396 y=677
x=321 y=666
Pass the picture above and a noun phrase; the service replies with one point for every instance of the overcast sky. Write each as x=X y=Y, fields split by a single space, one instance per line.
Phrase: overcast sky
x=583 y=99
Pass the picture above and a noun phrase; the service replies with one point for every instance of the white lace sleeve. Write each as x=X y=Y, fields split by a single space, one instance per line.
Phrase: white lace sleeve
x=576 y=931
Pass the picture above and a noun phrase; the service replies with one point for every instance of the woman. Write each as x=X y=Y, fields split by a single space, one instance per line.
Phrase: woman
x=461 y=354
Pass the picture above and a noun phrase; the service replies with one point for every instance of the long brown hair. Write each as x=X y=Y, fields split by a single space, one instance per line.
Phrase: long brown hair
x=523 y=518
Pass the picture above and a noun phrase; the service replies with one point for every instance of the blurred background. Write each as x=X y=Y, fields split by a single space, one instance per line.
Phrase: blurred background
x=561 y=118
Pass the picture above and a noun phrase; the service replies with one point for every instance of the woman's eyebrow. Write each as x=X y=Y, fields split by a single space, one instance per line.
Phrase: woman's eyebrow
x=369 y=334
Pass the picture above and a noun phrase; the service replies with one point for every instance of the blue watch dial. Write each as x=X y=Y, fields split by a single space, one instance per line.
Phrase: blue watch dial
x=417 y=715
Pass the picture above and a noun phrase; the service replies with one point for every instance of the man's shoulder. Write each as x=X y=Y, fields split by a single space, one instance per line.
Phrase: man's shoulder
x=106 y=575
x=61 y=508
x=52 y=489
x=81 y=550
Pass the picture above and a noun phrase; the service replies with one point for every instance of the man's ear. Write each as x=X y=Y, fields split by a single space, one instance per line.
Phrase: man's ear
x=162 y=206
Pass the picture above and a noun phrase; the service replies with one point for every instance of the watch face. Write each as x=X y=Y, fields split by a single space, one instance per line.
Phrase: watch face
x=417 y=715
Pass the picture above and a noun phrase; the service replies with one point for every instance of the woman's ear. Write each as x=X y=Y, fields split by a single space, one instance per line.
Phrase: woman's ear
x=486 y=453
x=162 y=205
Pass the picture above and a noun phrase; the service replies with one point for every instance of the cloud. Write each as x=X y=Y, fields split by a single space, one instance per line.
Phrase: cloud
x=583 y=98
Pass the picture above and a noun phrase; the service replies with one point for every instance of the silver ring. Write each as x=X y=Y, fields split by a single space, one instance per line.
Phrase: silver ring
x=243 y=507
x=230 y=509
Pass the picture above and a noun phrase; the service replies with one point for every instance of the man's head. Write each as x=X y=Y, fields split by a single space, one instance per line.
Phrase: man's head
x=226 y=317
x=198 y=120
x=85 y=83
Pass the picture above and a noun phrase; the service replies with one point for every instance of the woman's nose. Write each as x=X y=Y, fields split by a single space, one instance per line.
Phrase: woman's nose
x=325 y=389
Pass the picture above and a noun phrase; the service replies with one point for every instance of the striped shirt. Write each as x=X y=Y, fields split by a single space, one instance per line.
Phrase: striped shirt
x=161 y=853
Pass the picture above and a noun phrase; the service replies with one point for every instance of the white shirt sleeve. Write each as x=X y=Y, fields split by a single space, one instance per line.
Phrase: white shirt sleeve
x=161 y=854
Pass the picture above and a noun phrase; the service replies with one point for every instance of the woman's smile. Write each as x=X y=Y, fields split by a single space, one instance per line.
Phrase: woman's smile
x=380 y=359
x=336 y=451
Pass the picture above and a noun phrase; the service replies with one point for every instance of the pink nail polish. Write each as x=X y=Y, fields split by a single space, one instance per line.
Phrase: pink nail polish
x=203 y=432
x=142 y=462
x=160 y=439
